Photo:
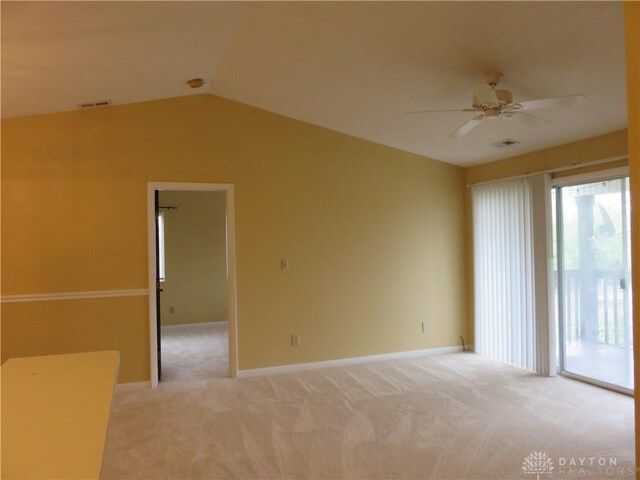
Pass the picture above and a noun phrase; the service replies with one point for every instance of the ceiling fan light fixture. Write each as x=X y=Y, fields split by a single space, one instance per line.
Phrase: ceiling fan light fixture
x=504 y=96
x=485 y=96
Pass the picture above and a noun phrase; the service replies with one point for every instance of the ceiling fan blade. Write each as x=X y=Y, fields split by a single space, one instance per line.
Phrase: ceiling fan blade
x=530 y=120
x=467 y=127
x=437 y=111
x=567 y=101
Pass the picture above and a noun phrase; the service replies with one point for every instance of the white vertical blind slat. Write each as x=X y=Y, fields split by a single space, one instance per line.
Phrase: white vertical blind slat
x=503 y=261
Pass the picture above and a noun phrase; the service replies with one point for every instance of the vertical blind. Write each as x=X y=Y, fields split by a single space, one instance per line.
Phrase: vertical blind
x=505 y=326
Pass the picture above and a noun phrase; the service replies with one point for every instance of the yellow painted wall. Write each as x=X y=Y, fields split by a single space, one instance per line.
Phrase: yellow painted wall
x=632 y=36
x=48 y=328
x=374 y=236
x=195 y=255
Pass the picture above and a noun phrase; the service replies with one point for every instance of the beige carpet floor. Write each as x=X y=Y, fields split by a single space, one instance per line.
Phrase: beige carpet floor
x=458 y=416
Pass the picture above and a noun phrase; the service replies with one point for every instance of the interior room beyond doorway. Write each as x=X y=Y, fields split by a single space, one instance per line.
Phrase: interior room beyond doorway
x=193 y=299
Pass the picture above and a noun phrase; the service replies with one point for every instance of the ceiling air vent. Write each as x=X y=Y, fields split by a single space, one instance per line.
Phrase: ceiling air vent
x=507 y=142
x=102 y=103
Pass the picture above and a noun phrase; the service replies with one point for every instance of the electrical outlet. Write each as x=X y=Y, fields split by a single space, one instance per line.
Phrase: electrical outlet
x=172 y=309
x=295 y=340
x=424 y=327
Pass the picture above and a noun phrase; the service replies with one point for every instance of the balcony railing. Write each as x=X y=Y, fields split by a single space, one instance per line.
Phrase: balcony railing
x=609 y=315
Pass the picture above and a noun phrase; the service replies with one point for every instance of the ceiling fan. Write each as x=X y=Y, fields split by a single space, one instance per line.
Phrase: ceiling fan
x=492 y=104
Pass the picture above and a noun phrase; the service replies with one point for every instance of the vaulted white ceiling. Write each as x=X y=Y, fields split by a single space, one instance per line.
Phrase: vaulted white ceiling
x=355 y=67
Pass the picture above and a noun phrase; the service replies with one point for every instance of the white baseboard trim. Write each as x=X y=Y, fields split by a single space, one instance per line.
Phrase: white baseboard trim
x=132 y=387
x=48 y=297
x=199 y=324
x=257 y=372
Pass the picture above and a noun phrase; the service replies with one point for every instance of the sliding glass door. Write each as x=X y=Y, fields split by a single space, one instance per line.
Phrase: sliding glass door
x=593 y=291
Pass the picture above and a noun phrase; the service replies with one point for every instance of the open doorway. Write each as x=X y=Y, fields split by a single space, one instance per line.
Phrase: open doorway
x=193 y=275
x=192 y=313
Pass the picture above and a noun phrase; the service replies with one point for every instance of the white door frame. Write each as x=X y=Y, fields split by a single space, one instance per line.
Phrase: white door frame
x=231 y=268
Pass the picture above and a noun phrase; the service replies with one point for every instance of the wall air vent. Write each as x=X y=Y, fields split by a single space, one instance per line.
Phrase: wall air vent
x=507 y=142
x=102 y=103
